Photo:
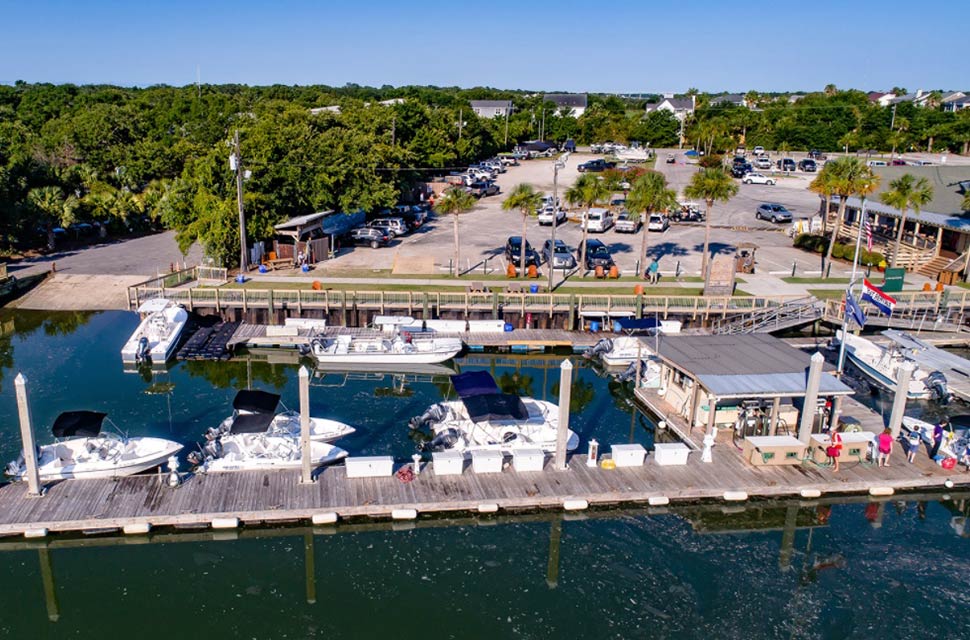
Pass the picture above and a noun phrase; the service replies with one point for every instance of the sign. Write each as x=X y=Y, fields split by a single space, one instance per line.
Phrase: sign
x=720 y=277
x=894 y=279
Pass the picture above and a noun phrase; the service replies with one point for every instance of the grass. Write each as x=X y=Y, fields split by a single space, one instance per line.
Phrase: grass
x=798 y=280
x=827 y=294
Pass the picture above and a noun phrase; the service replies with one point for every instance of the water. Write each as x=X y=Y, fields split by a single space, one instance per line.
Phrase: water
x=854 y=570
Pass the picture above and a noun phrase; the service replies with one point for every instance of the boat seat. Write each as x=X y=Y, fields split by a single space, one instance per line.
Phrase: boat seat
x=64 y=454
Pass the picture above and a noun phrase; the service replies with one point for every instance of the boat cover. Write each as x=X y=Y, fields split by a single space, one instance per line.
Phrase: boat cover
x=633 y=324
x=495 y=406
x=251 y=423
x=84 y=424
x=256 y=401
x=474 y=383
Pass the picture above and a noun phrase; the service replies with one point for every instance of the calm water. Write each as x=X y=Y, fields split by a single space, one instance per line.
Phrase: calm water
x=854 y=570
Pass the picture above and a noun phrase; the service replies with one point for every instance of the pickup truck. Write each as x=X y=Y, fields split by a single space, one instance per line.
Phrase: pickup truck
x=596 y=165
x=627 y=222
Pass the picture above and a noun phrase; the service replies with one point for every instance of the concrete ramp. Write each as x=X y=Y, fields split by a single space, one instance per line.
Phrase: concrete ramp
x=76 y=292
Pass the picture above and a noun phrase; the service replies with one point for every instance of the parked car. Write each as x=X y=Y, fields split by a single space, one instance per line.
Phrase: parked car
x=757 y=178
x=627 y=222
x=597 y=220
x=741 y=170
x=413 y=215
x=876 y=163
x=774 y=212
x=547 y=201
x=513 y=252
x=739 y=161
x=807 y=164
x=569 y=145
x=763 y=162
x=671 y=159
x=596 y=165
x=759 y=150
x=371 y=236
x=560 y=257
x=815 y=154
x=786 y=164
x=597 y=254
x=483 y=189
x=393 y=226
x=898 y=163
x=658 y=222
x=552 y=215
x=509 y=161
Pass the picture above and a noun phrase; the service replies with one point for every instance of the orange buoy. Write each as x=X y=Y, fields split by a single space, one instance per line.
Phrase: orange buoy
x=638 y=290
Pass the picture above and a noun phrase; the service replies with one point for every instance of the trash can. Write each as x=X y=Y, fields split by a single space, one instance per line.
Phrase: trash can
x=305 y=268
x=533 y=288
x=594 y=326
x=262 y=268
x=508 y=327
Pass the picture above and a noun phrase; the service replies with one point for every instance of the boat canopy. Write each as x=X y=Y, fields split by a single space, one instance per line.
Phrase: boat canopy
x=484 y=401
x=84 y=424
x=474 y=383
x=634 y=324
x=251 y=423
x=256 y=401
x=154 y=305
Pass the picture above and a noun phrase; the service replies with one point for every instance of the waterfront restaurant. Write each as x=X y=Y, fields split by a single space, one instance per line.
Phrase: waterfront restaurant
x=752 y=383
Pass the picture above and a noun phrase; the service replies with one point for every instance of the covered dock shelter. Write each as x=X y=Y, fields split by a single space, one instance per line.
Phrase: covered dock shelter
x=314 y=234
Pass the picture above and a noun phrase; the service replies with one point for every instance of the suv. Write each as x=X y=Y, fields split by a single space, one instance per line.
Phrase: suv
x=627 y=222
x=482 y=189
x=786 y=164
x=774 y=212
x=741 y=170
x=815 y=154
x=413 y=215
x=513 y=252
x=551 y=215
x=596 y=165
x=597 y=220
x=763 y=162
x=370 y=236
x=808 y=165
x=560 y=258
x=597 y=255
x=759 y=150
x=757 y=178
x=658 y=222
x=393 y=226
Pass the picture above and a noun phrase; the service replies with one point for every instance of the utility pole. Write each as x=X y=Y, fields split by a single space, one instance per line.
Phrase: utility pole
x=460 y=122
x=892 y=123
x=507 y=110
x=235 y=162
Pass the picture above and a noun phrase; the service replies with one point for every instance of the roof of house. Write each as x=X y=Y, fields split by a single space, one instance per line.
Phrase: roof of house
x=567 y=99
x=748 y=365
x=950 y=184
x=678 y=104
x=491 y=104
x=302 y=221
x=875 y=95
x=733 y=98
x=956 y=96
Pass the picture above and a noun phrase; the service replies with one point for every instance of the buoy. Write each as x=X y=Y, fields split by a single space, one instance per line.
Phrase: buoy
x=225 y=523
x=948 y=483
x=488 y=507
x=607 y=463
x=36 y=533
x=404 y=514
x=735 y=496
x=329 y=517
x=136 y=528
x=881 y=491
x=810 y=493
x=574 y=505
x=658 y=501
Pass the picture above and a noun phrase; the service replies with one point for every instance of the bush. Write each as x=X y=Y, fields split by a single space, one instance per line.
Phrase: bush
x=712 y=161
x=838 y=251
x=875 y=258
x=821 y=245
x=848 y=252
x=804 y=241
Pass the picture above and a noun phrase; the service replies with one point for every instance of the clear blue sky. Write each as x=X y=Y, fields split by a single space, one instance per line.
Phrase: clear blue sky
x=621 y=46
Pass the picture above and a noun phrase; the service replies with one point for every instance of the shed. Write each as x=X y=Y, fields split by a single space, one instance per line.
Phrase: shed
x=314 y=233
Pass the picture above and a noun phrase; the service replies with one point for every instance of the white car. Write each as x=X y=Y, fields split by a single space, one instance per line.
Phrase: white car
x=551 y=215
x=757 y=178
x=759 y=150
x=597 y=220
x=658 y=222
x=763 y=162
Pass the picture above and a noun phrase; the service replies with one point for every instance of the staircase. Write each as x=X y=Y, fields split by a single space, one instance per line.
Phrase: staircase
x=933 y=268
x=789 y=315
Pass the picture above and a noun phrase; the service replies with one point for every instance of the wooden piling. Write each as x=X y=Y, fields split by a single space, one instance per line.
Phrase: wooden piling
x=309 y=565
x=899 y=401
x=27 y=437
x=306 y=475
x=50 y=588
x=565 y=391
x=807 y=419
x=552 y=566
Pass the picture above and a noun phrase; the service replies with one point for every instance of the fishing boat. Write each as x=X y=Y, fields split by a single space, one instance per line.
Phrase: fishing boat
x=639 y=341
x=242 y=450
x=881 y=365
x=484 y=418
x=399 y=349
x=253 y=402
x=955 y=439
x=156 y=337
x=82 y=450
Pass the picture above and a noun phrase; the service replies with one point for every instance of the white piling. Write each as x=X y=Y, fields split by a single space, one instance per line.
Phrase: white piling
x=416 y=460
x=27 y=437
x=899 y=401
x=565 y=390
x=306 y=475
x=593 y=454
x=811 y=398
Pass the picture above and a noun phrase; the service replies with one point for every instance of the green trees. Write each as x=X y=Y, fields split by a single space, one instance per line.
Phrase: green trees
x=53 y=207
x=710 y=185
x=586 y=192
x=649 y=193
x=526 y=199
x=847 y=177
x=456 y=201
x=906 y=192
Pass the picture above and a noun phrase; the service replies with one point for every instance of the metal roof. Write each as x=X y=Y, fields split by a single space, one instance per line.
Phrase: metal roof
x=302 y=221
x=491 y=104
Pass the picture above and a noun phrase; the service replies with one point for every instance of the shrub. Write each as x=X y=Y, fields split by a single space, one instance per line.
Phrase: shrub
x=848 y=252
x=838 y=251
x=804 y=241
x=712 y=161
x=875 y=258
x=821 y=245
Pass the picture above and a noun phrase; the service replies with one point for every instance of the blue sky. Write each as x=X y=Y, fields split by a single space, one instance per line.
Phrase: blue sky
x=621 y=46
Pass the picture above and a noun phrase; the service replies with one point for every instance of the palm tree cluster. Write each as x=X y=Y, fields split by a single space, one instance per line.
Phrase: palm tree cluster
x=710 y=185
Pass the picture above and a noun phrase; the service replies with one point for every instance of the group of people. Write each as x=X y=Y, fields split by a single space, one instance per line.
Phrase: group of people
x=884 y=444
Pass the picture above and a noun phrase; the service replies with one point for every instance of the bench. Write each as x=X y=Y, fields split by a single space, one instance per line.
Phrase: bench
x=369 y=466
x=448 y=463
x=279 y=263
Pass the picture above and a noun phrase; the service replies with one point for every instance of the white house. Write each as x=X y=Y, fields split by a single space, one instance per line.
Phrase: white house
x=492 y=108
x=576 y=103
x=955 y=101
x=681 y=107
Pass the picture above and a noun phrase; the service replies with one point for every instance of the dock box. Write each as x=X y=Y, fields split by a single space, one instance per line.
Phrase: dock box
x=487 y=461
x=668 y=454
x=528 y=459
x=855 y=446
x=448 y=463
x=763 y=451
x=628 y=455
x=369 y=466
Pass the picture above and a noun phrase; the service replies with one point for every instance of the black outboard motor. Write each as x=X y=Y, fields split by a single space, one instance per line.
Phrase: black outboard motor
x=143 y=353
x=603 y=346
x=444 y=440
x=435 y=413
x=936 y=382
x=631 y=371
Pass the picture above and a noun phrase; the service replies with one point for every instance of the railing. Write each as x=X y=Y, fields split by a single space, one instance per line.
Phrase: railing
x=212 y=276
x=914 y=310
x=788 y=315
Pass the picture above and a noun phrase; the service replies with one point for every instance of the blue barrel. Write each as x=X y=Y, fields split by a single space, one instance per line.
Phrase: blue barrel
x=616 y=326
x=534 y=288
x=508 y=327
x=262 y=268
x=305 y=268
x=594 y=326
x=240 y=278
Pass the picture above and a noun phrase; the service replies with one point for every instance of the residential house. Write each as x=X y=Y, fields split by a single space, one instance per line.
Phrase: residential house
x=880 y=98
x=735 y=99
x=575 y=103
x=955 y=101
x=920 y=98
x=492 y=108
x=795 y=97
x=682 y=108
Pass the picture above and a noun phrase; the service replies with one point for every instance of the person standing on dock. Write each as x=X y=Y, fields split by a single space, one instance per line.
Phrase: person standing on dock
x=834 y=450
x=884 y=444
x=938 y=432
x=913 y=441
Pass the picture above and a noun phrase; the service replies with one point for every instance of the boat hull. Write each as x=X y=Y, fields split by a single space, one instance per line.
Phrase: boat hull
x=163 y=450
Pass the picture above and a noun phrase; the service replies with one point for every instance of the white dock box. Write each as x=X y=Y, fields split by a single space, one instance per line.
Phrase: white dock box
x=670 y=453
x=369 y=466
x=448 y=463
x=487 y=461
x=628 y=455
x=528 y=459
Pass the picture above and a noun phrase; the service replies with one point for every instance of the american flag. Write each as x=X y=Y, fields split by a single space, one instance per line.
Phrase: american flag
x=868 y=235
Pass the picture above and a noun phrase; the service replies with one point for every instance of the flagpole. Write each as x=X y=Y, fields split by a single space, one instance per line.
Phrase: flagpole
x=848 y=291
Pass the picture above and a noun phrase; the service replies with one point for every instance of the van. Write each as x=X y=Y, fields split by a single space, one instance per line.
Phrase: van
x=598 y=220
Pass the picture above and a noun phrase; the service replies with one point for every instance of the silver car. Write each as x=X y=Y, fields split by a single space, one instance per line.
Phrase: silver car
x=774 y=212
x=561 y=258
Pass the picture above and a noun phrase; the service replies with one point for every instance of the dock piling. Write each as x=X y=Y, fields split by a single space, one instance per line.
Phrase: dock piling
x=27 y=437
x=310 y=568
x=306 y=476
x=50 y=589
x=899 y=401
x=807 y=419
x=552 y=565
x=565 y=390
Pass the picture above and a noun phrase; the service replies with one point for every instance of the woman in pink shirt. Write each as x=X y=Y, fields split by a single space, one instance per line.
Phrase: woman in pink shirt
x=884 y=447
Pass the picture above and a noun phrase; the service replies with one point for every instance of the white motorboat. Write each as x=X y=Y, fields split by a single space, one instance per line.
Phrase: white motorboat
x=82 y=450
x=156 y=337
x=954 y=442
x=622 y=351
x=263 y=405
x=881 y=365
x=400 y=349
x=255 y=451
x=484 y=418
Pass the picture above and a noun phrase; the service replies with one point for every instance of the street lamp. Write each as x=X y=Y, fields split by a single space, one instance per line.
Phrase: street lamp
x=560 y=164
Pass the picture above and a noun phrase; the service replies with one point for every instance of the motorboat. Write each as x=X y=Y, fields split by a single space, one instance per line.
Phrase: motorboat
x=82 y=450
x=639 y=340
x=244 y=451
x=881 y=365
x=955 y=439
x=158 y=334
x=264 y=405
x=484 y=418
x=398 y=349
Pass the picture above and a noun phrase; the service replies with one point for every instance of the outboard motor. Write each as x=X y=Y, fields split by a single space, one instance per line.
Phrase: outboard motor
x=304 y=349
x=195 y=458
x=444 y=440
x=213 y=449
x=603 y=346
x=631 y=371
x=435 y=413
x=936 y=382
x=143 y=353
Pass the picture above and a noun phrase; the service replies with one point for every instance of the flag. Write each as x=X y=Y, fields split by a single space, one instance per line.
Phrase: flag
x=873 y=294
x=868 y=235
x=854 y=311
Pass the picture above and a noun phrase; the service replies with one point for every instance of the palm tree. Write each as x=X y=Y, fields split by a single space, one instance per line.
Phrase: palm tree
x=455 y=201
x=823 y=186
x=526 y=199
x=54 y=207
x=710 y=185
x=904 y=193
x=649 y=194
x=586 y=192
x=831 y=90
x=850 y=177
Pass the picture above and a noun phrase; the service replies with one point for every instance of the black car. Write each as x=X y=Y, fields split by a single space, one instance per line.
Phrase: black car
x=371 y=236
x=808 y=165
x=815 y=154
x=740 y=170
x=596 y=165
x=513 y=252
x=597 y=254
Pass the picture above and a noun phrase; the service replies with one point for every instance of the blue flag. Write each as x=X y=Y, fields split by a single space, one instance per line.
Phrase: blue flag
x=854 y=311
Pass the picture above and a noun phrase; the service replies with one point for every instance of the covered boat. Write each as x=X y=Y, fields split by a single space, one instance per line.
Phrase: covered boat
x=399 y=349
x=881 y=365
x=158 y=334
x=253 y=402
x=484 y=418
x=83 y=450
